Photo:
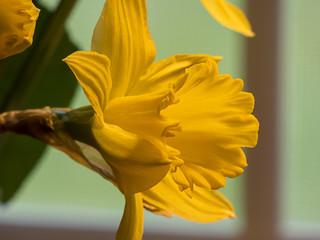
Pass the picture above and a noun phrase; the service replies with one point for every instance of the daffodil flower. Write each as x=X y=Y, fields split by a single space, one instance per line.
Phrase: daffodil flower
x=167 y=134
x=17 y=24
x=229 y=16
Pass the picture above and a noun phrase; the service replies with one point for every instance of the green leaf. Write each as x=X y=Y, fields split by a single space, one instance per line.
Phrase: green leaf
x=34 y=79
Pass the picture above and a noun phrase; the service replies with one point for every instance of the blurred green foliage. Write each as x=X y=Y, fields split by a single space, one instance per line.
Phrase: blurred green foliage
x=34 y=79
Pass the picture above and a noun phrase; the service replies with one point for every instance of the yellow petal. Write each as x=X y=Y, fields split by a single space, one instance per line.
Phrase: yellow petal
x=93 y=73
x=205 y=206
x=229 y=16
x=170 y=71
x=136 y=163
x=123 y=35
x=141 y=115
x=131 y=226
x=216 y=120
x=17 y=24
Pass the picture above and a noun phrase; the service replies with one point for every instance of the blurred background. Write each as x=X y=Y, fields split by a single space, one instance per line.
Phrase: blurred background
x=276 y=198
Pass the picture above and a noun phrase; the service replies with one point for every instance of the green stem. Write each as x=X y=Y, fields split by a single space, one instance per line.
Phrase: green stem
x=38 y=59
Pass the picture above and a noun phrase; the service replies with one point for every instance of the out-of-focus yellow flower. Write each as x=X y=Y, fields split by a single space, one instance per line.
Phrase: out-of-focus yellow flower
x=17 y=24
x=229 y=16
x=166 y=133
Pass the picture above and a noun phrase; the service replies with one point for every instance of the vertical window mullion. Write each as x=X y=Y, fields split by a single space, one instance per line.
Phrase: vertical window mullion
x=262 y=77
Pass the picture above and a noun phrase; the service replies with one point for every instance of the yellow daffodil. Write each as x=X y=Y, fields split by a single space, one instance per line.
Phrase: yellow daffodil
x=229 y=16
x=166 y=133
x=17 y=24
